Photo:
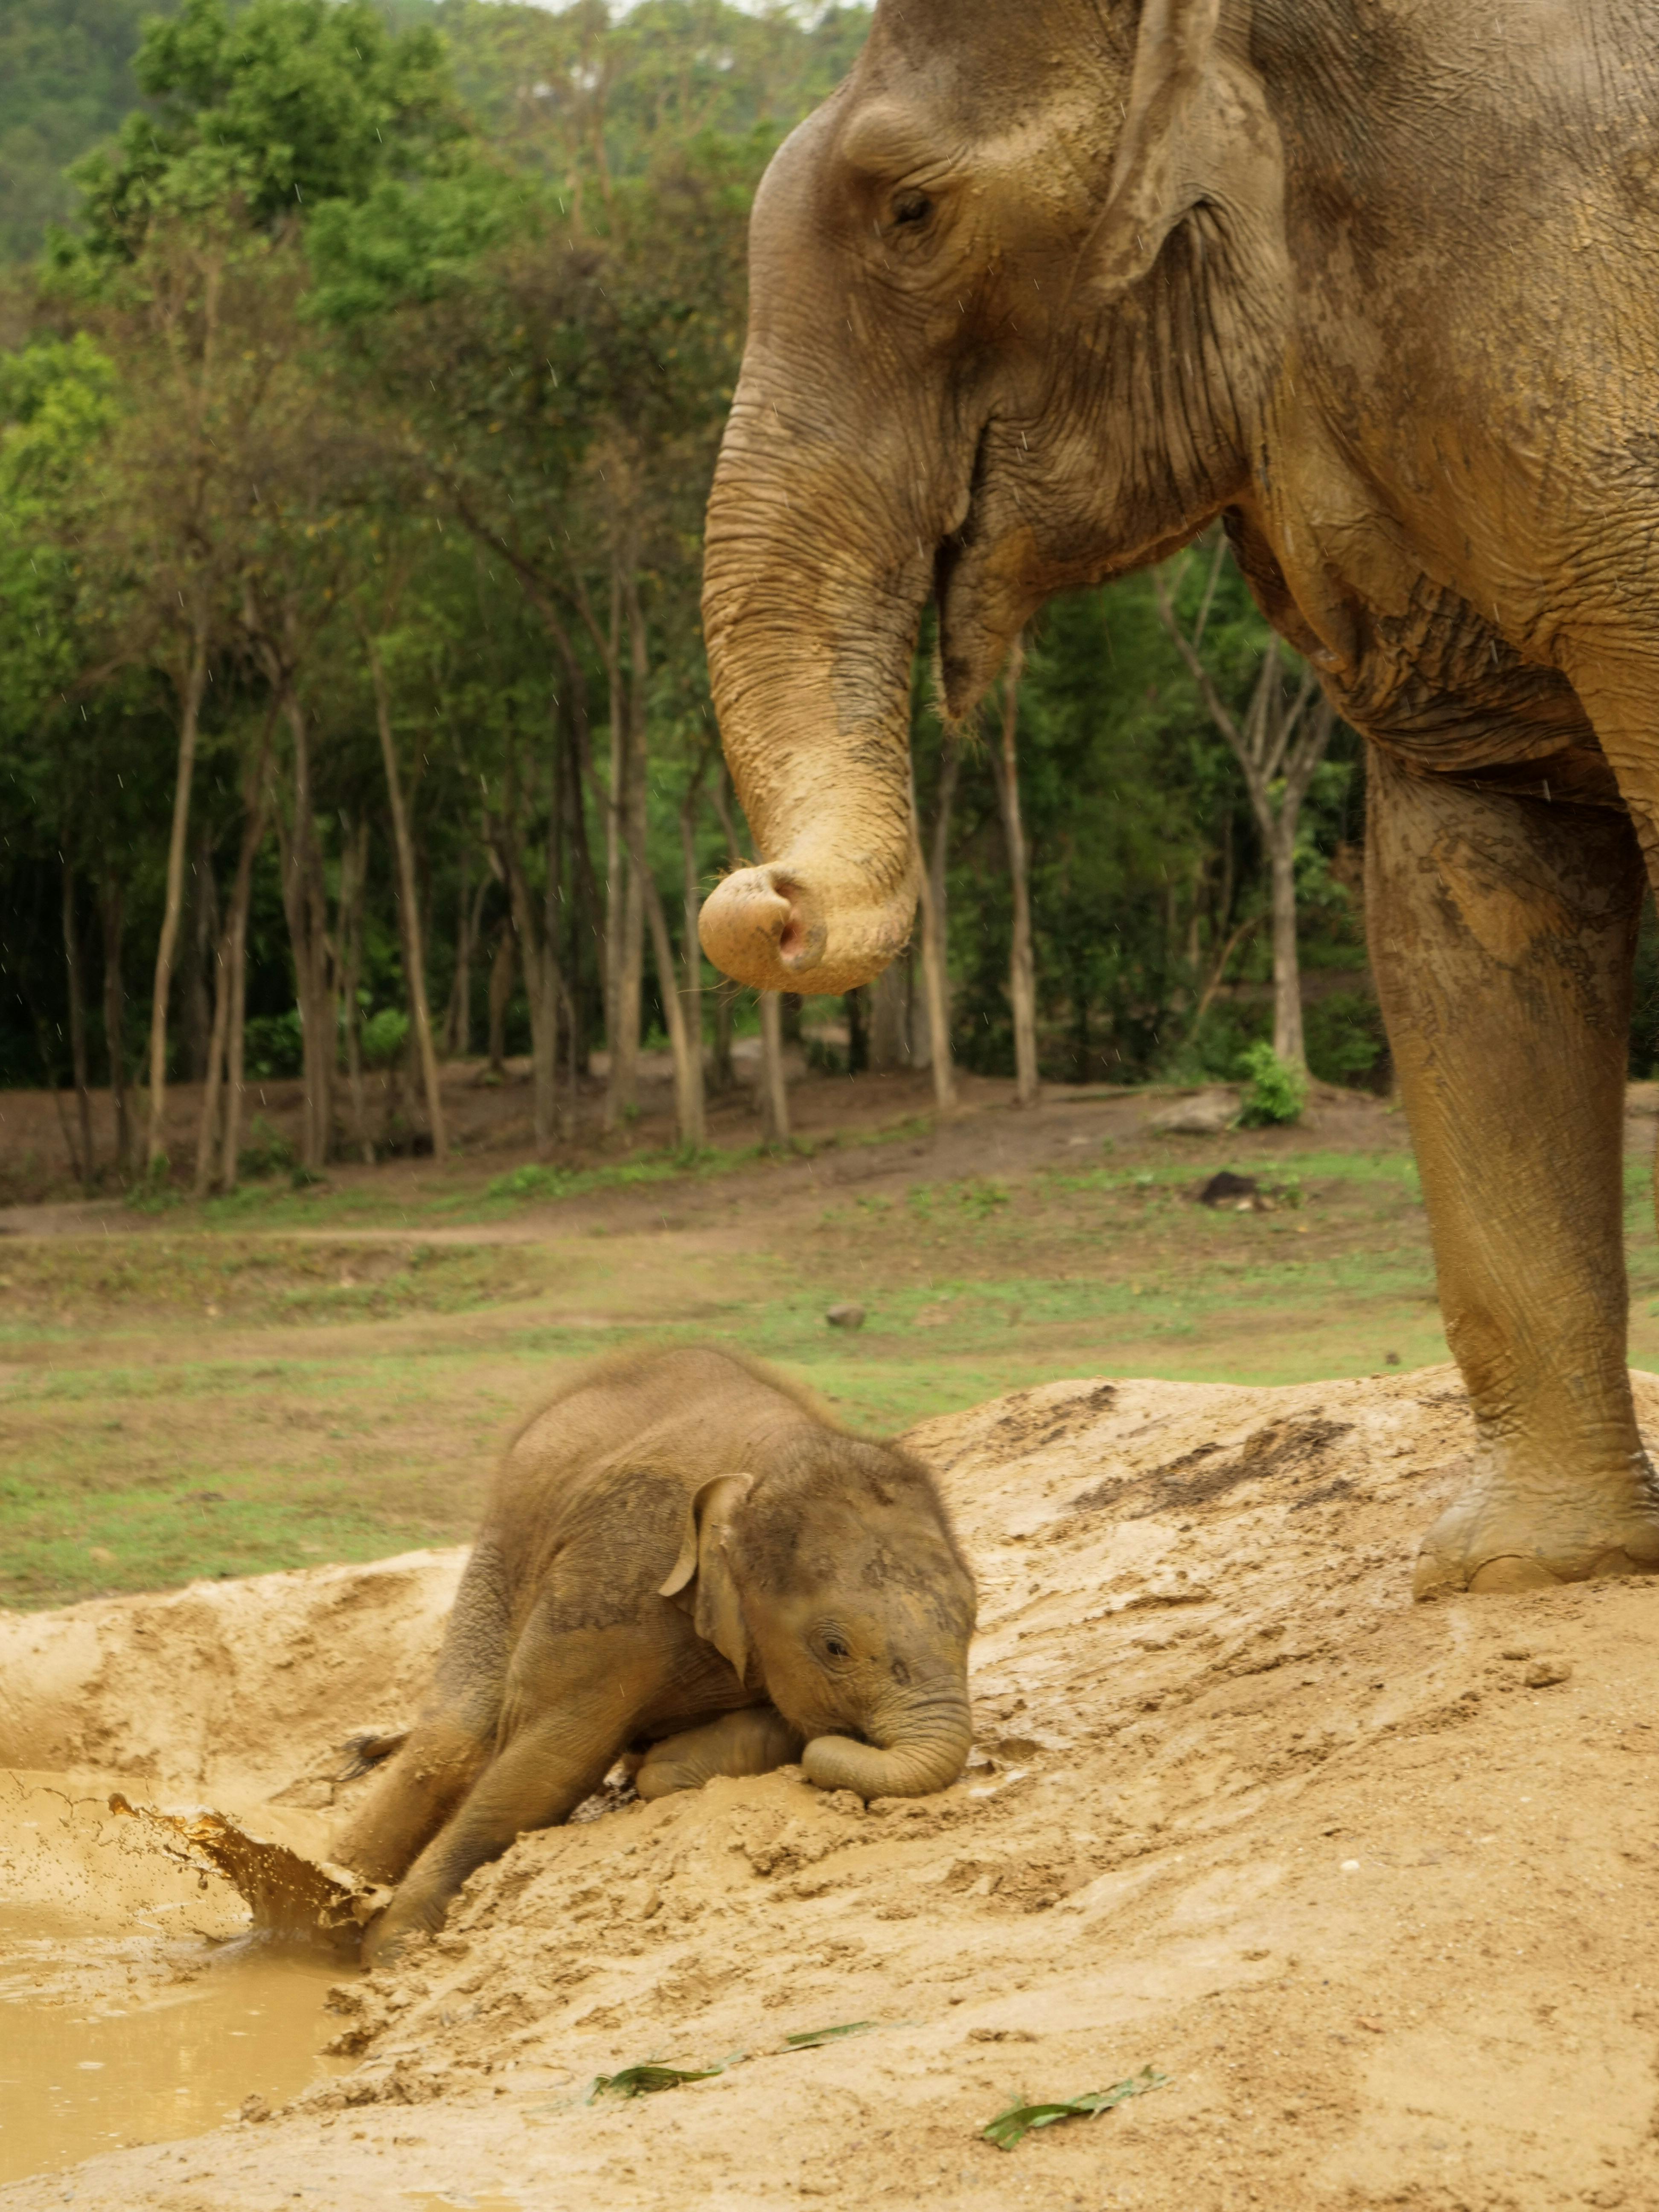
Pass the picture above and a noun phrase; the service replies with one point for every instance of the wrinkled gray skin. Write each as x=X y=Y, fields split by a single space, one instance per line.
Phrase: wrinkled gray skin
x=1047 y=287
x=682 y=1557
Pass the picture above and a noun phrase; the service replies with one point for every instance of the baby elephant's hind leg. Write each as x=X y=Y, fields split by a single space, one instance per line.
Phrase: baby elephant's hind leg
x=752 y=1742
x=435 y=1763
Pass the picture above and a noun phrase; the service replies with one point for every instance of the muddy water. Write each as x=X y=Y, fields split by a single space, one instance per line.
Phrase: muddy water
x=147 y=2041
x=134 y=2005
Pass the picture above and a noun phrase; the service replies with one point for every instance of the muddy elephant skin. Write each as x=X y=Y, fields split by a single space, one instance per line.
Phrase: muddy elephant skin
x=1048 y=286
x=682 y=1557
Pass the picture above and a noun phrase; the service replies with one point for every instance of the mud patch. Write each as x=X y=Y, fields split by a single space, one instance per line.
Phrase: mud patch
x=134 y=2006
x=1359 y=1877
x=295 y=1896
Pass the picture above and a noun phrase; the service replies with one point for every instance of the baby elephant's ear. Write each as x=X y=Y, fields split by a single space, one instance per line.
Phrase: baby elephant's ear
x=716 y=1611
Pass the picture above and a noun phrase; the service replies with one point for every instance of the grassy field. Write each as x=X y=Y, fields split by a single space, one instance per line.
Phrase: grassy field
x=296 y=1376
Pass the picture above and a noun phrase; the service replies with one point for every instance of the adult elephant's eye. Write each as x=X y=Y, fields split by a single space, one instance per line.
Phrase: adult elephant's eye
x=912 y=207
x=835 y=1648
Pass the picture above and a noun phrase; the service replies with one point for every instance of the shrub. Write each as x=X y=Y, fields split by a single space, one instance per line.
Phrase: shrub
x=1276 y=1091
x=273 y=1046
x=1346 y=1039
x=385 y=1036
x=266 y=1152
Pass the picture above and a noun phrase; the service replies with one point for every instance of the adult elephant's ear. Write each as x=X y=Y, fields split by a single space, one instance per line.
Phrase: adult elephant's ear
x=1158 y=174
x=702 y=1579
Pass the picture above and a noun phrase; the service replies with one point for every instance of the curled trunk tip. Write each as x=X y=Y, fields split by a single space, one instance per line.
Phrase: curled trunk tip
x=915 y=1769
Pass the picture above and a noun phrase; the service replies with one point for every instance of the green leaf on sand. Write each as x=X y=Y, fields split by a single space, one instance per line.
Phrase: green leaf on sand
x=1013 y=2126
x=810 y=2038
x=646 y=2081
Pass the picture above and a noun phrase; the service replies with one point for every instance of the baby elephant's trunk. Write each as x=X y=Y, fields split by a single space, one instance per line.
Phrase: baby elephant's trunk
x=923 y=1747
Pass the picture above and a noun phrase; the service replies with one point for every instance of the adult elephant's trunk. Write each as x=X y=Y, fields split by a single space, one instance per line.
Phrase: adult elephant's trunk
x=924 y=1748
x=810 y=608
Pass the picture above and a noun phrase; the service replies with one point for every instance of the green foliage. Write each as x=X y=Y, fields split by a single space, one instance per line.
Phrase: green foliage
x=810 y=2038
x=1276 y=1092
x=266 y=1152
x=65 y=82
x=279 y=107
x=649 y=2080
x=473 y=275
x=385 y=1036
x=273 y=1045
x=1345 y=1038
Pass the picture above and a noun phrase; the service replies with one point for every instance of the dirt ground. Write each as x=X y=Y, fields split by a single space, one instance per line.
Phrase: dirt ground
x=1374 y=1886
x=486 y=1117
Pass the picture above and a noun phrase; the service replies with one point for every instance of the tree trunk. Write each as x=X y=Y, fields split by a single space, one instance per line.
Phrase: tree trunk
x=935 y=964
x=890 y=1018
x=1021 y=970
x=197 y=1009
x=539 y=963
x=349 y=908
x=630 y=967
x=855 y=1006
x=86 y=1165
x=409 y=913
x=190 y=701
x=305 y=903
x=500 y=993
x=587 y=889
x=457 y=1014
x=721 y=1075
x=1279 y=746
x=207 y=1120
x=615 y=872
x=458 y=1024
x=773 y=1091
x=688 y=1118
x=938 y=995
x=217 y=1155
x=561 y=794
x=112 y=914
x=1287 y=974
x=230 y=1156
x=693 y=949
x=774 y=1094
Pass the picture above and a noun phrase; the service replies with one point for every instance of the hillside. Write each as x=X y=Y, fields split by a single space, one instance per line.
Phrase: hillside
x=1371 y=1885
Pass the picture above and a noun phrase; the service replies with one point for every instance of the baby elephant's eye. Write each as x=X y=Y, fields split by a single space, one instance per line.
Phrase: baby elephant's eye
x=835 y=1648
x=912 y=207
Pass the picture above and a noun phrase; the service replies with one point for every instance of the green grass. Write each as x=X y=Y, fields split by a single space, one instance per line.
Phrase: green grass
x=217 y=1394
x=464 y=1191
x=51 y=1291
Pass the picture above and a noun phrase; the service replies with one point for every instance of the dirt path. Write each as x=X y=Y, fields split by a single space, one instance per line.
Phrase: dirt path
x=1374 y=1886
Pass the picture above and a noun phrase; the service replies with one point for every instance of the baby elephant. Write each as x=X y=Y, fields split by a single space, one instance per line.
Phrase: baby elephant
x=681 y=1555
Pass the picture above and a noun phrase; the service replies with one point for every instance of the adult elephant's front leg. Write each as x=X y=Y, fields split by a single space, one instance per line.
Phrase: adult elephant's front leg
x=1502 y=935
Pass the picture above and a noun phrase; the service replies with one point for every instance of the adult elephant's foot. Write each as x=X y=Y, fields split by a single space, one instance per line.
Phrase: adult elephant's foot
x=1508 y=1535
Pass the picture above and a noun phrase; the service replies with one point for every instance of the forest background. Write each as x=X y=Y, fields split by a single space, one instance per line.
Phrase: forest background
x=363 y=364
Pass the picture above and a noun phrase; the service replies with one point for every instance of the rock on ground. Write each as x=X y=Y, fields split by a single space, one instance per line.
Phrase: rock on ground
x=1374 y=1885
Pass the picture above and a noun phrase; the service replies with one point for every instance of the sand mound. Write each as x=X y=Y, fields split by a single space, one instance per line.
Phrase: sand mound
x=241 y=1689
x=1373 y=1885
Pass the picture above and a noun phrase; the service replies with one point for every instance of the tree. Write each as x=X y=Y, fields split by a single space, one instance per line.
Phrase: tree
x=279 y=107
x=1022 y=973
x=1277 y=741
x=409 y=902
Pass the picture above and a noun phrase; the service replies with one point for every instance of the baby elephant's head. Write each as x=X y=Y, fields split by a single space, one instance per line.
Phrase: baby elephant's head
x=833 y=1578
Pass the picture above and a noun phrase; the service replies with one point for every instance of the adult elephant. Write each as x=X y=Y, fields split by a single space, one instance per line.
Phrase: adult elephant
x=1047 y=286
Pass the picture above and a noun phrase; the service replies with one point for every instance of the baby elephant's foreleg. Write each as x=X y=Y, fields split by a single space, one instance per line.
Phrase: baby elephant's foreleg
x=751 y=1741
x=536 y=1782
